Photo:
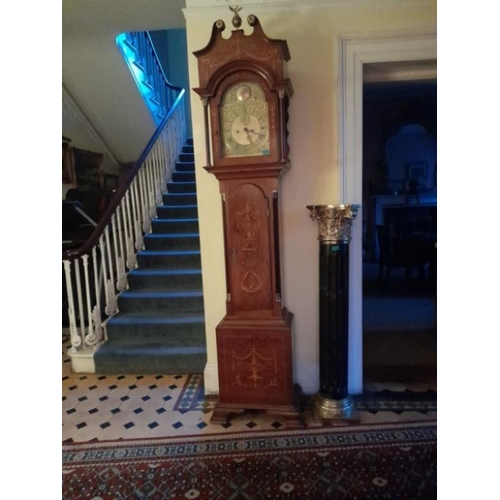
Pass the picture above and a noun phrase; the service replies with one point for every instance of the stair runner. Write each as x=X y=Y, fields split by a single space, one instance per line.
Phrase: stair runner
x=160 y=326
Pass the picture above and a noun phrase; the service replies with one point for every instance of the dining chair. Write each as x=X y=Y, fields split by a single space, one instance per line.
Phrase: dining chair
x=398 y=252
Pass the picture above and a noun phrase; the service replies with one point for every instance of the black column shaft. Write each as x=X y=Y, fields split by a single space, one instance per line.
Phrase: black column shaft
x=333 y=314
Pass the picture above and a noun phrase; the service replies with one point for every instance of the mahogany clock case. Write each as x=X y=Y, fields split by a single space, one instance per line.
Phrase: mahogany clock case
x=241 y=79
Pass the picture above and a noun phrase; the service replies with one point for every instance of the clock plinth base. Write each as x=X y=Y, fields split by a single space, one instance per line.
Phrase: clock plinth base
x=255 y=368
x=290 y=415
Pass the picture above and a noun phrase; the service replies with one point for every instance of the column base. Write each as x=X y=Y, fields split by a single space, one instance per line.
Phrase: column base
x=334 y=411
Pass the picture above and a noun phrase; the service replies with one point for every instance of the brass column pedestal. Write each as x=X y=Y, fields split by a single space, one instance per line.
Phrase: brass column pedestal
x=333 y=405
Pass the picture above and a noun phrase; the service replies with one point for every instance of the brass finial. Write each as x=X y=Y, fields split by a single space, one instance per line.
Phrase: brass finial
x=236 y=18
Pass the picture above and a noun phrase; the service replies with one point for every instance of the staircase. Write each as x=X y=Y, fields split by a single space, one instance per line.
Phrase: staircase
x=160 y=327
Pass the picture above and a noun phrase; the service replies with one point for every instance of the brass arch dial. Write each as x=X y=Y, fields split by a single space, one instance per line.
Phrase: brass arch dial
x=244 y=118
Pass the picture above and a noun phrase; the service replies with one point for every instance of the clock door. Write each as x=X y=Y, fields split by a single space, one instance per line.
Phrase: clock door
x=247 y=216
x=244 y=121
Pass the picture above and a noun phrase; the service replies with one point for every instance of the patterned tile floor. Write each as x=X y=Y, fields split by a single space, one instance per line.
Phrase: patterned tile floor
x=104 y=407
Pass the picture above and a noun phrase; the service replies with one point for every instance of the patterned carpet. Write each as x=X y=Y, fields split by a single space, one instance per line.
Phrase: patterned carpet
x=389 y=461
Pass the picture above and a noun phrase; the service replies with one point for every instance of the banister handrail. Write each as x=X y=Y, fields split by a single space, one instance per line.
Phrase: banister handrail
x=117 y=197
x=160 y=67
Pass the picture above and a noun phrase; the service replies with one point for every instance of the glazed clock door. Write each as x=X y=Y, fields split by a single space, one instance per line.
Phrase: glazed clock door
x=248 y=247
x=244 y=121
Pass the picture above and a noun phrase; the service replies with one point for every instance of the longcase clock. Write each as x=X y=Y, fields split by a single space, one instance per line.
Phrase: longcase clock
x=245 y=93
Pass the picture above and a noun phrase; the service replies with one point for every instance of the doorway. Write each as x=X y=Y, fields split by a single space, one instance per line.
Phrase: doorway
x=355 y=53
x=399 y=226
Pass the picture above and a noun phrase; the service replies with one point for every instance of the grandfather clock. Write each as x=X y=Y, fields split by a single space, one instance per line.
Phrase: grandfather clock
x=245 y=93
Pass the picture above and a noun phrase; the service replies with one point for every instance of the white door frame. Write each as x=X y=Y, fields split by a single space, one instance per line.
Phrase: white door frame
x=354 y=52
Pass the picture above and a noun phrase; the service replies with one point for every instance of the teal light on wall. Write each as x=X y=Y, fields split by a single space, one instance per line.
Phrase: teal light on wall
x=134 y=64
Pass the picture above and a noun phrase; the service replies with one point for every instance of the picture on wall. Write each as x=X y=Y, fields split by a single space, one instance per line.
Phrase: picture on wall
x=68 y=168
x=88 y=169
x=418 y=172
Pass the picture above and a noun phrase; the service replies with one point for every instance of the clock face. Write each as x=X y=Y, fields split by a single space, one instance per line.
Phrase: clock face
x=244 y=120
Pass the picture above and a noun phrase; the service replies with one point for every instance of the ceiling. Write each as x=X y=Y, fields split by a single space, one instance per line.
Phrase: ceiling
x=83 y=18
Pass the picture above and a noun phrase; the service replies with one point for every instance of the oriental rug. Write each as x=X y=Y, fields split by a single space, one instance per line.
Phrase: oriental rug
x=387 y=461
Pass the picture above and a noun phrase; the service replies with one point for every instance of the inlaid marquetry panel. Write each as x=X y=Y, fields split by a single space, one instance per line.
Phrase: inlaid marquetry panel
x=254 y=366
x=248 y=246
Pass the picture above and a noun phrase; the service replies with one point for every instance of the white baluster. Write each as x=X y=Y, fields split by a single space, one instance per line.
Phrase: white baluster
x=147 y=185
x=146 y=220
x=111 y=299
x=80 y=299
x=133 y=208
x=96 y=313
x=121 y=280
x=124 y=228
x=137 y=196
x=76 y=341
x=131 y=257
x=111 y=303
x=98 y=331
x=90 y=333
x=128 y=211
x=109 y=253
x=121 y=235
x=139 y=241
x=151 y=191
x=163 y=164
x=157 y=174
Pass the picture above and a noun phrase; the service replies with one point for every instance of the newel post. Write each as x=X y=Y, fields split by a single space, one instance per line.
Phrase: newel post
x=333 y=402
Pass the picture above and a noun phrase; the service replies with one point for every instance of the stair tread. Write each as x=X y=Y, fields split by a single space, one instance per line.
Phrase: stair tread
x=175 y=220
x=173 y=317
x=164 y=272
x=162 y=293
x=172 y=235
x=177 y=206
x=152 y=347
x=149 y=253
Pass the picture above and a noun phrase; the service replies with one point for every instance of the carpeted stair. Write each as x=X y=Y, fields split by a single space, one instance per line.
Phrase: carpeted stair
x=160 y=326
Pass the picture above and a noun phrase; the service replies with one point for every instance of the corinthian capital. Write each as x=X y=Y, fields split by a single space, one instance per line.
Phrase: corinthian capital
x=334 y=222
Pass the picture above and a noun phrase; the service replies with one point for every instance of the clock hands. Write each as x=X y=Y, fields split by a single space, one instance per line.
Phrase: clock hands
x=251 y=130
x=249 y=137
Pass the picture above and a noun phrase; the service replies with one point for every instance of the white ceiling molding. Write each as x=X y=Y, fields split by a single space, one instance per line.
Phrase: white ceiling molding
x=211 y=8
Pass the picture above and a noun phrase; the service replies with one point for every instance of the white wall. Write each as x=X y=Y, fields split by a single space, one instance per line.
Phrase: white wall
x=76 y=127
x=312 y=31
x=98 y=79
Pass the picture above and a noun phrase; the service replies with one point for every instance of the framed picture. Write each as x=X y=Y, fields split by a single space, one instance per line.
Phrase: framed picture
x=418 y=172
x=88 y=169
x=68 y=166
